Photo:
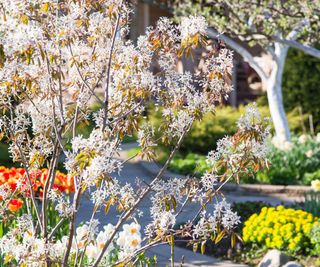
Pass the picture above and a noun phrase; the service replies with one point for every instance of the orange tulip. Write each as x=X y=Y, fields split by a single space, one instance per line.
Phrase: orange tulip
x=15 y=204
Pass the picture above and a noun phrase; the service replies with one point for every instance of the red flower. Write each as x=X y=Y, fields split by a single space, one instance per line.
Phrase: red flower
x=62 y=182
x=15 y=204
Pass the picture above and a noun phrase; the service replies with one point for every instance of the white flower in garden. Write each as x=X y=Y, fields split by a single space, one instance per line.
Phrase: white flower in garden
x=145 y=135
x=56 y=250
x=287 y=146
x=128 y=244
x=129 y=231
x=318 y=138
x=230 y=219
x=132 y=229
x=180 y=123
x=104 y=236
x=303 y=138
x=309 y=153
x=92 y=251
x=82 y=233
x=129 y=239
x=39 y=248
x=134 y=242
x=281 y=144
x=86 y=232
x=122 y=239
x=166 y=219
x=315 y=185
x=260 y=149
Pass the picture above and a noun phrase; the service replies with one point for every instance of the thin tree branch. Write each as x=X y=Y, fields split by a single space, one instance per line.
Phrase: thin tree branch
x=295 y=44
x=106 y=90
x=76 y=201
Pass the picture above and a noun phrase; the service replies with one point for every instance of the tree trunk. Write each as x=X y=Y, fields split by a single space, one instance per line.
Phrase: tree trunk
x=274 y=92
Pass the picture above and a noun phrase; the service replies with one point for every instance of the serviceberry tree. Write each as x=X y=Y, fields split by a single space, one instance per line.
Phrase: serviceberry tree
x=57 y=58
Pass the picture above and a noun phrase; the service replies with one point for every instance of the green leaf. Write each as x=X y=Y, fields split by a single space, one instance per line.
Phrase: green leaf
x=44 y=8
x=233 y=240
x=203 y=247
x=219 y=237
x=24 y=19
x=174 y=203
x=1 y=229
x=195 y=247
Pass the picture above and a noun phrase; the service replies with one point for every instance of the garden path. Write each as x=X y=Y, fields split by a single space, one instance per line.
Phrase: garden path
x=134 y=169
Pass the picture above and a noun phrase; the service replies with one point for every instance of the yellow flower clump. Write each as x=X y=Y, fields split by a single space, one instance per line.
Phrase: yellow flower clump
x=281 y=228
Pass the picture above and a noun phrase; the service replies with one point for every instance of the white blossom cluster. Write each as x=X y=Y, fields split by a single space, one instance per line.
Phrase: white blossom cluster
x=62 y=205
x=216 y=67
x=192 y=25
x=233 y=150
x=123 y=193
x=162 y=212
x=145 y=137
x=92 y=157
x=90 y=239
x=222 y=215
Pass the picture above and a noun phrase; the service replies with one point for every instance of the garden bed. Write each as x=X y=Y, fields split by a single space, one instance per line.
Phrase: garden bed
x=291 y=190
x=257 y=228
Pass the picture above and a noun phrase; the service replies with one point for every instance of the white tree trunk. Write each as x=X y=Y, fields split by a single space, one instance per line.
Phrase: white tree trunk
x=272 y=81
x=274 y=92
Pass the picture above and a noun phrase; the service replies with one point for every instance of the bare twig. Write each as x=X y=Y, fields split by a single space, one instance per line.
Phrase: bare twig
x=106 y=90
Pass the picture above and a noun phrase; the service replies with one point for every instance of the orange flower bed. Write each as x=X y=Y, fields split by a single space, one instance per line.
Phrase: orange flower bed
x=13 y=176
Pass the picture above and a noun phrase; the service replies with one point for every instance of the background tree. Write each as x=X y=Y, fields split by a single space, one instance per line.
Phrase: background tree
x=274 y=26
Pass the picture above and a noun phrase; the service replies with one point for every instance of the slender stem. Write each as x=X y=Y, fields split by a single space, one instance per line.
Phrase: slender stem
x=74 y=127
x=56 y=228
x=172 y=251
x=95 y=208
x=33 y=199
x=51 y=174
x=76 y=201
x=106 y=90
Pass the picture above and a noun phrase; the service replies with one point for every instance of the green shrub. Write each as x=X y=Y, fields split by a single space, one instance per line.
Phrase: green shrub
x=297 y=162
x=5 y=159
x=204 y=134
x=191 y=164
x=315 y=238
